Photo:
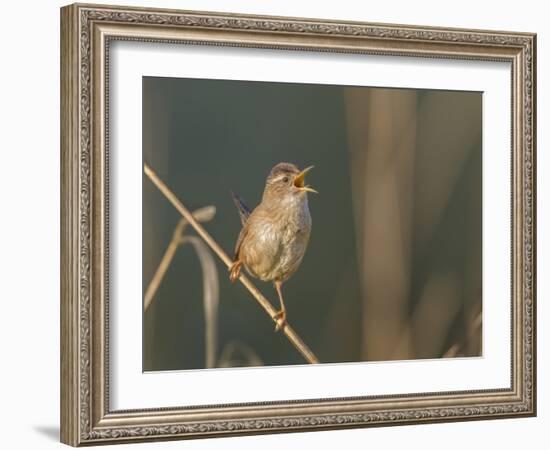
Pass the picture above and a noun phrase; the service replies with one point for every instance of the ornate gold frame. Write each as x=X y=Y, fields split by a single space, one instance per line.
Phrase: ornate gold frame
x=86 y=31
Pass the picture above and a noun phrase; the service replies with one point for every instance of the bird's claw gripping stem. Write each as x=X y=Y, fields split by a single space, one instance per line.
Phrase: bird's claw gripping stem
x=235 y=271
x=280 y=319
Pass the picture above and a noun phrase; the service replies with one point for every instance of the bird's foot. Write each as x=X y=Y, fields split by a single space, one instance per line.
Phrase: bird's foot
x=280 y=319
x=235 y=271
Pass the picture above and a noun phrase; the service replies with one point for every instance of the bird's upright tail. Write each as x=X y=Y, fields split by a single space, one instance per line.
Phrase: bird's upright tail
x=244 y=210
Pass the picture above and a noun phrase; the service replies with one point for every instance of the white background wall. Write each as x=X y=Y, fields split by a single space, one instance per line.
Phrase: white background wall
x=29 y=237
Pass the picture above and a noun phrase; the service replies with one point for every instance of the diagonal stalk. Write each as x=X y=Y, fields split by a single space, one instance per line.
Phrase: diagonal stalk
x=289 y=332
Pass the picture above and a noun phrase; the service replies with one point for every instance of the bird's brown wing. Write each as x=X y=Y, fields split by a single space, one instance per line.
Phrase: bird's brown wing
x=240 y=239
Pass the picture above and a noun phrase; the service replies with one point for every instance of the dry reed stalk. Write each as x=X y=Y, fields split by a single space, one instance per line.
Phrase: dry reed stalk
x=209 y=278
x=289 y=332
x=210 y=296
x=202 y=215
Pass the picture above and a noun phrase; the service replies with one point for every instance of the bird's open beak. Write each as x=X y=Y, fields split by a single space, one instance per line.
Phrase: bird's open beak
x=299 y=181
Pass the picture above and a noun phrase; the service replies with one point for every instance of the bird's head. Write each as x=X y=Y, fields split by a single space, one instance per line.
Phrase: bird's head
x=286 y=179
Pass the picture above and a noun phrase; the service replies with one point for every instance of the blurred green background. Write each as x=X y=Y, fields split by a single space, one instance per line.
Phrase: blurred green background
x=393 y=267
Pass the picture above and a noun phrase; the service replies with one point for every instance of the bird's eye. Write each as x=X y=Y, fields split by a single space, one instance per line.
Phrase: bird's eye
x=285 y=180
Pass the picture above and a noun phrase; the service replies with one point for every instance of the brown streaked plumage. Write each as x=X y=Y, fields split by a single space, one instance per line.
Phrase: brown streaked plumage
x=275 y=235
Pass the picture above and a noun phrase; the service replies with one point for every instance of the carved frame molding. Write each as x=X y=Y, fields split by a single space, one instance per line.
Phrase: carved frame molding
x=86 y=32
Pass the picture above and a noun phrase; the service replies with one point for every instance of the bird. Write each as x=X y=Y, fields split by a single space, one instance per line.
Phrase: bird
x=275 y=235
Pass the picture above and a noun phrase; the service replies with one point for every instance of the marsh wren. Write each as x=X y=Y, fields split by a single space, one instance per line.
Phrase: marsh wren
x=275 y=235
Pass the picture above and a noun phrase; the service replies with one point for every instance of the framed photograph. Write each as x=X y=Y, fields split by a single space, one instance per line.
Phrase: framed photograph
x=275 y=224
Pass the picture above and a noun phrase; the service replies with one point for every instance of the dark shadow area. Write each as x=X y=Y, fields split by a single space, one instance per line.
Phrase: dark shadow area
x=49 y=431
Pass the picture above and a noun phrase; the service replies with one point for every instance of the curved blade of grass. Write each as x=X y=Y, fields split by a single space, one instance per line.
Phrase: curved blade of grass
x=210 y=296
x=201 y=215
